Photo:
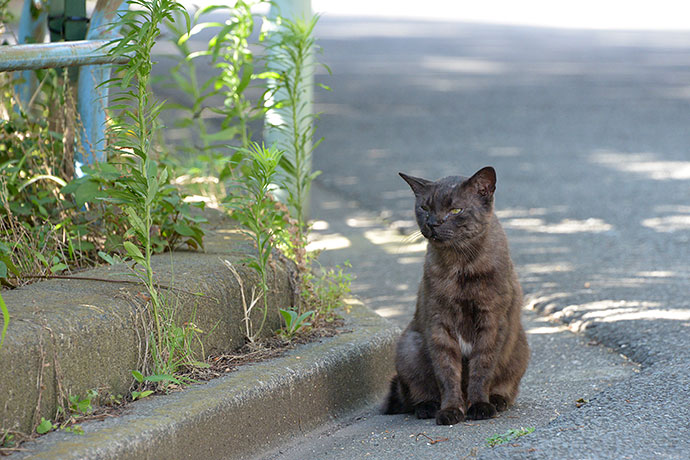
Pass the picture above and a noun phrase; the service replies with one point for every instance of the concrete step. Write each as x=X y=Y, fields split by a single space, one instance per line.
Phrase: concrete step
x=248 y=411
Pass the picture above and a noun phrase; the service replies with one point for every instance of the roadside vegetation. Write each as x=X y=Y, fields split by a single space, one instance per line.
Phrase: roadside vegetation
x=510 y=435
x=136 y=204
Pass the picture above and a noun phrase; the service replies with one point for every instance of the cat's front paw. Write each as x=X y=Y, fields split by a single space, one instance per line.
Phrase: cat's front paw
x=499 y=401
x=426 y=410
x=449 y=416
x=481 y=411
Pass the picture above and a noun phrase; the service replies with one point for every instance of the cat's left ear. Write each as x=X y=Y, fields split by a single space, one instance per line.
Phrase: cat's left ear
x=484 y=181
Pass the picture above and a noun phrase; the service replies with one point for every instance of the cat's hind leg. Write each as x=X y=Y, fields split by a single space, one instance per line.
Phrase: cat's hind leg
x=427 y=409
x=397 y=401
x=416 y=375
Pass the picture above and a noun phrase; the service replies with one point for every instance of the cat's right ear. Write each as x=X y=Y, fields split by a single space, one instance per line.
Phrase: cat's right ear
x=417 y=184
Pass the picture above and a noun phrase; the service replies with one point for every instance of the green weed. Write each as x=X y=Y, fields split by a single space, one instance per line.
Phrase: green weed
x=46 y=426
x=66 y=417
x=508 y=436
x=8 y=440
x=146 y=183
x=253 y=207
x=291 y=48
x=42 y=231
x=231 y=56
x=326 y=291
x=294 y=322
x=205 y=164
x=82 y=406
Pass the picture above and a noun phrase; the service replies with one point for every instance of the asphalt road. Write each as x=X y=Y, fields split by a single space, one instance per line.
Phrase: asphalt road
x=588 y=132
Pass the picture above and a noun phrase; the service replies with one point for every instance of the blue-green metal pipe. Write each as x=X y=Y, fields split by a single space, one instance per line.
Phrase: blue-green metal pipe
x=91 y=54
x=61 y=54
x=92 y=95
x=32 y=29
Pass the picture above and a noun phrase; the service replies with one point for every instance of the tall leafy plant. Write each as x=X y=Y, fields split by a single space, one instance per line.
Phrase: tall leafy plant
x=232 y=63
x=291 y=47
x=144 y=182
x=254 y=208
x=230 y=53
x=137 y=106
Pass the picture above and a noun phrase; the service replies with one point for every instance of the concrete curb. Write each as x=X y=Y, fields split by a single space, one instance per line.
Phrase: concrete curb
x=249 y=411
x=79 y=335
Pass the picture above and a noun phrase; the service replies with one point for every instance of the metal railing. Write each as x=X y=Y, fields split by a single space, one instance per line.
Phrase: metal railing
x=90 y=55
x=62 y=54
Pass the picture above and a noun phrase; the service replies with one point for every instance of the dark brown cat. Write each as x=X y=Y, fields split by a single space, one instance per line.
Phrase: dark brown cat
x=465 y=351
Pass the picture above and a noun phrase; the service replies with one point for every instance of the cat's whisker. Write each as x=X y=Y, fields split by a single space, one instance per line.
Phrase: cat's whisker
x=413 y=237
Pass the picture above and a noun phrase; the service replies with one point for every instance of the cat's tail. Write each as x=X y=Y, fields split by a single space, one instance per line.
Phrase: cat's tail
x=396 y=402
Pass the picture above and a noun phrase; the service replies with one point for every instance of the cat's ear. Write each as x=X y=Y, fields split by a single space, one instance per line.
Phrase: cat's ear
x=484 y=181
x=417 y=184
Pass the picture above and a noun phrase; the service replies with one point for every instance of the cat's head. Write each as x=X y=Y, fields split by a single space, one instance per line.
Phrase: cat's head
x=453 y=209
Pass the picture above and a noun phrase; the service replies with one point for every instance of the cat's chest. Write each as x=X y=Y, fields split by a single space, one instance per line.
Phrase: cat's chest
x=453 y=285
x=456 y=298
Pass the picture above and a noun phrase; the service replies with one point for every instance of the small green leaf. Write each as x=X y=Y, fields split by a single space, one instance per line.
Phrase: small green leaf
x=86 y=192
x=162 y=378
x=286 y=314
x=57 y=268
x=73 y=185
x=84 y=406
x=184 y=230
x=224 y=135
x=42 y=258
x=107 y=257
x=133 y=251
x=138 y=376
x=136 y=222
x=304 y=317
x=5 y=259
x=44 y=427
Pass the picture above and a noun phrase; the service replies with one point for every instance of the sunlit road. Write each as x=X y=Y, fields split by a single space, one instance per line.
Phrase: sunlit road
x=588 y=132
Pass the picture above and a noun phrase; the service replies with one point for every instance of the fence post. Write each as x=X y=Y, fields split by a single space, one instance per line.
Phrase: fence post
x=32 y=29
x=92 y=98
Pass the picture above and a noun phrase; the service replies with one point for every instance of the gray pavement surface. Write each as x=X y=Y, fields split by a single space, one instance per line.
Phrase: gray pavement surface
x=588 y=132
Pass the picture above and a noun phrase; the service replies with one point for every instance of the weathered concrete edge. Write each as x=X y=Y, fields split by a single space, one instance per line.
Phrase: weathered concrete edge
x=92 y=330
x=249 y=411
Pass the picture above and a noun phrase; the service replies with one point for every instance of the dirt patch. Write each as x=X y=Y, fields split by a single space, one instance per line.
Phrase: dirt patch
x=271 y=347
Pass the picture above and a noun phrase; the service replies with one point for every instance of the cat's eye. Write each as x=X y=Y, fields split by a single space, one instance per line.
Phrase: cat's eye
x=425 y=208
x=456 y=210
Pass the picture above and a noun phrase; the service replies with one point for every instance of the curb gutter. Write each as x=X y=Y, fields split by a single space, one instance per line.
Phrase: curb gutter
x=249 y=411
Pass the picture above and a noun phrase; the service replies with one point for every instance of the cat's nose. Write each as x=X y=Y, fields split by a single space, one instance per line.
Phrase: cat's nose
x=434 y=221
